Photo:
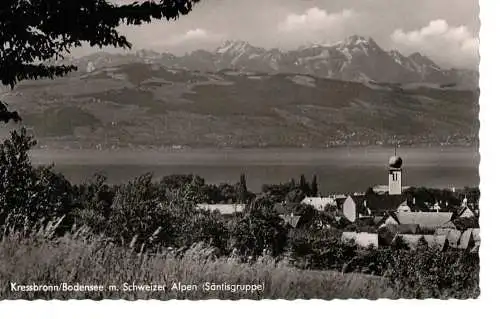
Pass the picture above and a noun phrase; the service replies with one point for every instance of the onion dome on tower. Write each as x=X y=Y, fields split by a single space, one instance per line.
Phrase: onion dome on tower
x=395 y=162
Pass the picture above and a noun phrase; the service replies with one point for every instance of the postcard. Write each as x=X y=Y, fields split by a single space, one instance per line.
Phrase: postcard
x=239 y=149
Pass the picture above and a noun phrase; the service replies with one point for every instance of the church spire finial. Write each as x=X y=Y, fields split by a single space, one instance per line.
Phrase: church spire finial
x=395 y=146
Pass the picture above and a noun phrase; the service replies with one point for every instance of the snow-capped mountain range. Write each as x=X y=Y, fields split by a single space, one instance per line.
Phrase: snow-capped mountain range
x=354 y=59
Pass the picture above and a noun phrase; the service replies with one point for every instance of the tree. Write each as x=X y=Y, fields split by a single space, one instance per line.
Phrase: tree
x=36 y=32
x=277 y=192
x=178 y=181
x=242 y=189
x=6 y=116
x=29 y=195
x=370 y=192
x=259 y=228
x=228 y=192
x=314 y=186
x=295 y=196
x=304 y=185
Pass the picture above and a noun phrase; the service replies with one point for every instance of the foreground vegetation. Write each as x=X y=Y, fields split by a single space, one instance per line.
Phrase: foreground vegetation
x=149 y=231
x=74 y=260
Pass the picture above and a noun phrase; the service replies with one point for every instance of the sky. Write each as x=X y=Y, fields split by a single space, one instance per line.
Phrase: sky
x=444 y=30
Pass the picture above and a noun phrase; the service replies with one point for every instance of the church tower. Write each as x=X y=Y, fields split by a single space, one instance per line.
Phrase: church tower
x=395 y=174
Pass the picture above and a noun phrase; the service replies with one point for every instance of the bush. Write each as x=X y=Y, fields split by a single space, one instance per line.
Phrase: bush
x=94 y=200
x=207 y=227
x=135 y=211
x=421 y=273
x=320 y=250
x=257 y=230
x=27 y=194
x=434 y=274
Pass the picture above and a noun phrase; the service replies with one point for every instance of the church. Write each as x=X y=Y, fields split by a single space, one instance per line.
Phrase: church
x=385 y=198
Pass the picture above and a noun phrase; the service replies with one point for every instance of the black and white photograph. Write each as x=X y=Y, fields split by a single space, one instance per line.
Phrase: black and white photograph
x=237 y=149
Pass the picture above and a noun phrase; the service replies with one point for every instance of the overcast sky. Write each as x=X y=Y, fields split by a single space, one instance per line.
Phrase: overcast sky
x=445 y=30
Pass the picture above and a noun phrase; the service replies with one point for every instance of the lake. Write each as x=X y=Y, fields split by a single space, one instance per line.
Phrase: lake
x=338 y=169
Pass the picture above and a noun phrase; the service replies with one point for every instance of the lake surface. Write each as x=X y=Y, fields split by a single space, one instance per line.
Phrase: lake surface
x=337 y=170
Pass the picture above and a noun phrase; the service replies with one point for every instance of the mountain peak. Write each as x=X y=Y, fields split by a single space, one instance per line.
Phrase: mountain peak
x=356 y=40
x=233 y=46
x=423 y=60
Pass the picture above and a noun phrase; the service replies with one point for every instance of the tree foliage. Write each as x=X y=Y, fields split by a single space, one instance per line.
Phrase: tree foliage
x=258 y=230
x=6 y=115
x=29 y=194
x=314 y=186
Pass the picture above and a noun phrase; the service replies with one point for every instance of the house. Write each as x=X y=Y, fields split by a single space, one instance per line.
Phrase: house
x=291 y=220
x=410 y=240
x=466 y=240
x=425 y=220
x=320 y=203
x=364 y=240
x=475 y=234
x=386 y=233
x=307 y=220
x=404 y=207
x=452 y=236
x=470 y=239
x=477 y=239
x=379 y=220
x=226 y=210
x=402 y=229
x=354 y=206
x=464 y=212
x=381 y=204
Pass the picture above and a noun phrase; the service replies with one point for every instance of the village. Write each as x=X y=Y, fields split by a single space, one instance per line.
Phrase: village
x=385 y=216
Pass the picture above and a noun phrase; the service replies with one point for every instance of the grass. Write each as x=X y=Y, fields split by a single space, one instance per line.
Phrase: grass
x=78 y=260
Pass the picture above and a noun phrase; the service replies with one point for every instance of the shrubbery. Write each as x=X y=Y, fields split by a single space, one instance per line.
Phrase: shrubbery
x=29 y=194
x=421 y=273
x=258 y=229
x=434 y=274
x=321 y=250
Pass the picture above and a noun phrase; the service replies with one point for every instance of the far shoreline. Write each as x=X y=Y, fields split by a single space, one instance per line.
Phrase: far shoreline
x=179 y=148
x=375 y=154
